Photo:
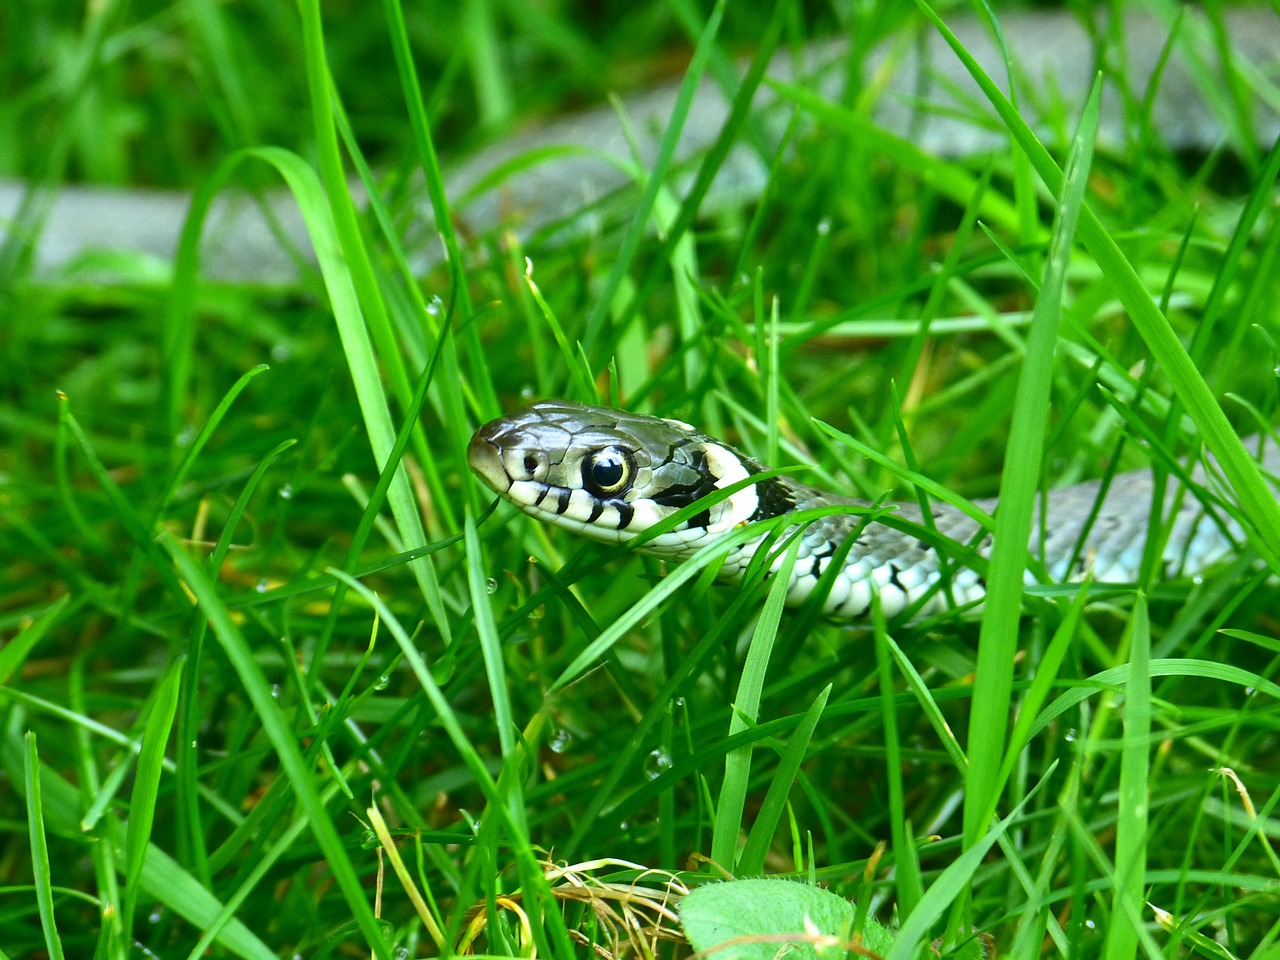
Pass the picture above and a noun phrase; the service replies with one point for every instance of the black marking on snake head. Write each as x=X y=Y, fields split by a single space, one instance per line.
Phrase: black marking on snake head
x=682 y=494
x=626 y=512
x=773 y=498
x=542 y=495
x=562 y=500
x=597 y=508
x=815 y=570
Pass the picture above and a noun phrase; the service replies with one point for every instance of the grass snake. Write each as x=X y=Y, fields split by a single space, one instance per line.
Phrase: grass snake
x=612 y=475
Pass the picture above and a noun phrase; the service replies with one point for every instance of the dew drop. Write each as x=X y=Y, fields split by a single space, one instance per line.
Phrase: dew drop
x=559 y=740
x=1070 y=735
x=261 y=586
x=435 y=306
x=286 y=491
x=491 y=586
x=656 y=762
x=824 y=226
x=275 y=691
x=382 y=682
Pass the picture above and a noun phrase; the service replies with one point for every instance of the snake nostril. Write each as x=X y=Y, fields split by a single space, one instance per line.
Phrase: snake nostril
x=530 y=464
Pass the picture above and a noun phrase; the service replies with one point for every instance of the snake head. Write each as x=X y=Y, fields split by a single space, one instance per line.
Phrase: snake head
x=611 y=475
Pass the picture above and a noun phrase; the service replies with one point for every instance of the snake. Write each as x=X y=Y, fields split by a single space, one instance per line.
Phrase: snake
x=614 y=476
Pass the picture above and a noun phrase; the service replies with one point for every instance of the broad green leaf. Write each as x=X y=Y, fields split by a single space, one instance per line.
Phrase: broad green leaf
x=764 y=918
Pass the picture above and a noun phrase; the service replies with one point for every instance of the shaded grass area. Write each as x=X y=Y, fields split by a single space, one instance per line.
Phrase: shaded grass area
x=240 y=669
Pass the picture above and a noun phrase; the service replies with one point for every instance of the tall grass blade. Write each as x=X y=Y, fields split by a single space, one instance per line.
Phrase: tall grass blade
x=997 y=640
x=746 y=709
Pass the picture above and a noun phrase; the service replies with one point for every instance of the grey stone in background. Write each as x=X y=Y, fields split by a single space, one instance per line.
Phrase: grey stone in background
x=1052 y=51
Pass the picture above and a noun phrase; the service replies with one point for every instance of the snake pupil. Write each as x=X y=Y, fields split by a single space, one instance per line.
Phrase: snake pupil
x=607 y=471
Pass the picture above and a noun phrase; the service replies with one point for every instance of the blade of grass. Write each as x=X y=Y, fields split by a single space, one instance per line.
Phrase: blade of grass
x=1046 y=674
x=420 y=125
x=1133 y=918
x=129 y=588
x=146 y=789
x=908 y=885
x=998 y=637
x=406 y=878
x=1127 y=899
x=198 y=444
x=191 y=841
x=491 y=650
x=1115 y=676
x=14 y=652
x=358 y=267
x=212 y=928
x=594 y=325
x=751 y=860
x=41 y=868
x=120 y=504
x=433 y=324
x=579 y=371
x=372 y=510
x=746 y=708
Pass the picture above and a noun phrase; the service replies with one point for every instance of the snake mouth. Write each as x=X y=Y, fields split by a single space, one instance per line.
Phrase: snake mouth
x=485 y=459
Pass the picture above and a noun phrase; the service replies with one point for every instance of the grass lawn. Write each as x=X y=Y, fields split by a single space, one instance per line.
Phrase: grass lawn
x=260 y=698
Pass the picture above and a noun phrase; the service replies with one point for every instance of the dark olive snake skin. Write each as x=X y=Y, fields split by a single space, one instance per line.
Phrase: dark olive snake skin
x=611 y=475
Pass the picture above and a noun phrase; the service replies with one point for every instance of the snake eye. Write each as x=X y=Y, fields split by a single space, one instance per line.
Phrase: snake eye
x=608 y=471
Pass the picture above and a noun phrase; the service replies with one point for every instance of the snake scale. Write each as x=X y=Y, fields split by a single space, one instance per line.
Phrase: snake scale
x=612 y=475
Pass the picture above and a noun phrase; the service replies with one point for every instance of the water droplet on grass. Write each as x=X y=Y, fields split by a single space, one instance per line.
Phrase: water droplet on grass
x=656 y=763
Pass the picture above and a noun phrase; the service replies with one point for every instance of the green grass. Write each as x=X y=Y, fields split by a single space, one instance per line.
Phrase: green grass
x=277 y=680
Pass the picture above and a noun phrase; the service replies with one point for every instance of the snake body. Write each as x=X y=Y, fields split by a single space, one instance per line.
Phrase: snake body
x=612 y=475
